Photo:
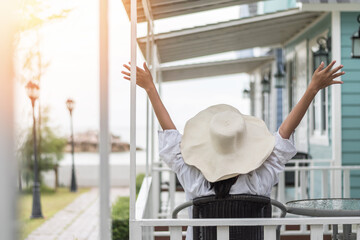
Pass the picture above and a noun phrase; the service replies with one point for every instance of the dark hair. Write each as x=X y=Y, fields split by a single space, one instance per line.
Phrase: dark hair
x=222 y=188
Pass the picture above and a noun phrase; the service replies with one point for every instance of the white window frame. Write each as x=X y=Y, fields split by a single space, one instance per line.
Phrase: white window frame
x=318 y=136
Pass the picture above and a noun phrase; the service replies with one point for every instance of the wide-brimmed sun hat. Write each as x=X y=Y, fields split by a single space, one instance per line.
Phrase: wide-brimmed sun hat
x=223 y=143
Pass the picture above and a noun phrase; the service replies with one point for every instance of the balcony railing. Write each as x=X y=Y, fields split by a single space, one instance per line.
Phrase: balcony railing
x=146 y=221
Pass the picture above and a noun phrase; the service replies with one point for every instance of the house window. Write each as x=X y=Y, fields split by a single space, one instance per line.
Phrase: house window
x=319 y=114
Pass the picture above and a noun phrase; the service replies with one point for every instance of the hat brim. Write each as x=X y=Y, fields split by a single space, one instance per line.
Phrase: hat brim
x=197 y=150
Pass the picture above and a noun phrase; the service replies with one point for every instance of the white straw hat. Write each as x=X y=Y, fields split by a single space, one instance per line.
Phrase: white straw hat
x=223 y=143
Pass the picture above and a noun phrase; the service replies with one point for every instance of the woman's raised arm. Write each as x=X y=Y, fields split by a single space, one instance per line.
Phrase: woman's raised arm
x=322 y=78
x=145 y=81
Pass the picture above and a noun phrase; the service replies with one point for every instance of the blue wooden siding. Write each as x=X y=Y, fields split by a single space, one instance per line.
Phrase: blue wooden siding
x=350 y=98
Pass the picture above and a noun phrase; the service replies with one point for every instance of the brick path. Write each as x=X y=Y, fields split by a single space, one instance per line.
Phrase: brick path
x=78 y=221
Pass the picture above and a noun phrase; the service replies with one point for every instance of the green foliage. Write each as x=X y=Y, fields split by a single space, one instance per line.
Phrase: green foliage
x=43 y=189
x=139 y=180
x=120 y=213
x=50 y=148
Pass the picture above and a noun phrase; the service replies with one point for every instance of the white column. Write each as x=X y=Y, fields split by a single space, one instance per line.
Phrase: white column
x=8 y=203
x=133 y=230
x=336 y=104
x=104 y=124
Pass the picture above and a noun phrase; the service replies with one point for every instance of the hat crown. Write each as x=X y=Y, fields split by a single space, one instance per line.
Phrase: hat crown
x=226 y=131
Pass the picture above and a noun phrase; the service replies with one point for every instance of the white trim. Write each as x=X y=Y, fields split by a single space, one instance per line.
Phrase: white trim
x=328 y=7
x=319 y=19
x=260 y=18
x=248 y=221
x=104 y=146
x=336 y=102
x=134 y=234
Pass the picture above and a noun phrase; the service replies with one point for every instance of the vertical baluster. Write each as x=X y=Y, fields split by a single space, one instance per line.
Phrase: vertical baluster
x=296 y=181
x=172 y=191
x=223 y=232
x=303 y=184
x=270 y=232
x=346 y=183
x=358 y=232
x=325 y=183
x=175 y=233
x=312 y=182
x=316 y=232
x=281 y=187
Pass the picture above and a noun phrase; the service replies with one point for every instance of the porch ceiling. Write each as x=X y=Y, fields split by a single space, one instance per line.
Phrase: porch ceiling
x=202 y=70
x=266 y=30
x=170 y=8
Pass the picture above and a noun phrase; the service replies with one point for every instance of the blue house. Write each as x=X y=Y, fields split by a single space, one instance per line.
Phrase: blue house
x=331 y=128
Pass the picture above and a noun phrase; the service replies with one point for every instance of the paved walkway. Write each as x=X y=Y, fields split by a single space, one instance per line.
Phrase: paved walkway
x=78 y=221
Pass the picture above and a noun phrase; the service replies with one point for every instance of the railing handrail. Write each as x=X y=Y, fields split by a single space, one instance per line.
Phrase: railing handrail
x=307 y=168
x=248 y=221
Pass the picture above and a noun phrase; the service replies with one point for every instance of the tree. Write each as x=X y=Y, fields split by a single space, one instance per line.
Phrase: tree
x=52 y=148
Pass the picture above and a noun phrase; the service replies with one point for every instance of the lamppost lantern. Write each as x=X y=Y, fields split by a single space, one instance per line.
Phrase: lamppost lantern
x=33 y=91
x=265 y=85
x=355 y=53
x=70 y=104
x=280 y=77
x=246 y=93
x=321 y=55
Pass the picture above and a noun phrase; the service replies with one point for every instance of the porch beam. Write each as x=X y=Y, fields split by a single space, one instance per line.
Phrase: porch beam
x=134 y=232
x=104 y=144
x=336 y=103
x=329 y=7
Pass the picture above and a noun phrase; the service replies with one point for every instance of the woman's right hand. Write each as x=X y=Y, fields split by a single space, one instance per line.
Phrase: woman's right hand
x=143 y=77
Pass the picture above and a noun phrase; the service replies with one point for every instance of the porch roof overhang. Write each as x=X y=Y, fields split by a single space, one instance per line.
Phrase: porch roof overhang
x=210 y=69
x=159 y=9
x=267 y=30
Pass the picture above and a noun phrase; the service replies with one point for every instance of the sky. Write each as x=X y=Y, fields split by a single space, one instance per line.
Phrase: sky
x=72 y=47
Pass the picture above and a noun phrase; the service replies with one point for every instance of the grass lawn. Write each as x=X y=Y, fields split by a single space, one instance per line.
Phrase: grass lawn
x=51 y=203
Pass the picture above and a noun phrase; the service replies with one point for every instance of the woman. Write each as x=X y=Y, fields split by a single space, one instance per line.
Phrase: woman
x=225 y=152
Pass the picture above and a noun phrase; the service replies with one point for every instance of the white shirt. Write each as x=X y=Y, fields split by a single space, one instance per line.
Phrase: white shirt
x=257 y=182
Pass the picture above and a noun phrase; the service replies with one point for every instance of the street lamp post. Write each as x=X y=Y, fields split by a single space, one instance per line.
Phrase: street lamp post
x=33 y=92
x=70 y=105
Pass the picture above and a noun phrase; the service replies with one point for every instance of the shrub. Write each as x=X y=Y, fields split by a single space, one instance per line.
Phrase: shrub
x=120 y=214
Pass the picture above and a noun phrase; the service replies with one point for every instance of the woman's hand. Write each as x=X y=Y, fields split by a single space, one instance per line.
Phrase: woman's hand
x=324 y=77
x=143 y=77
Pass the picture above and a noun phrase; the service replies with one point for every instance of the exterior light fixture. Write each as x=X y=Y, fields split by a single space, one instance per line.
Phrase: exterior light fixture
x=355 y=53
x=265 y=85
x=321 y=55
x=280 y=77
x=246 y=93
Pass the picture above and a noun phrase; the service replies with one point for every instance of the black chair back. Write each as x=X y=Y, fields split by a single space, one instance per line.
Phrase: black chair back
x=233 y=206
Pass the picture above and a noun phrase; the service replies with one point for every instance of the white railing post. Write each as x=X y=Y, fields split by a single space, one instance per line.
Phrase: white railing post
x=135 y=229
x=223 y=232
x=325 y=183
x=270 y=232
x=104 y=143
x=281 y=187
x=346 y=183
x=316 y=232
x=357 y=231
x=296 y=173
x=172 y=191
x=175 y=233
x=303 y=184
